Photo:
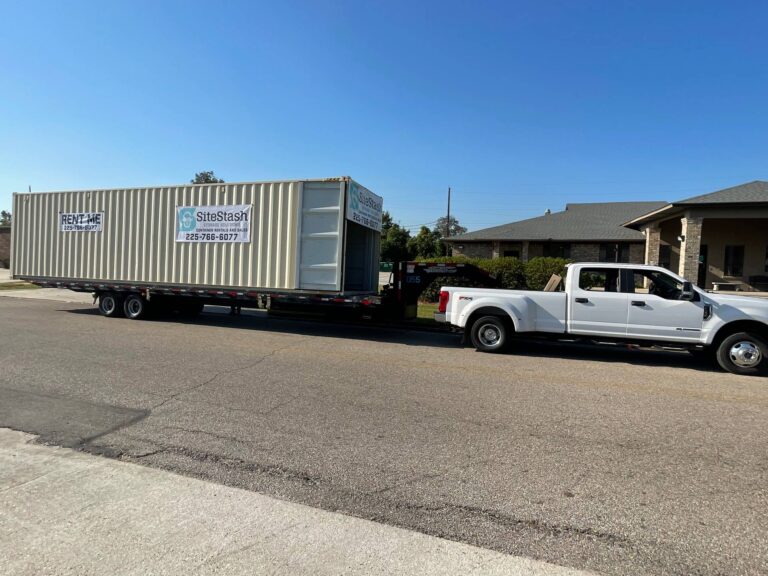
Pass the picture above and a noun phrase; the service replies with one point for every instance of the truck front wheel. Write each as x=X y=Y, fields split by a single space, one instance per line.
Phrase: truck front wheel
x=489 y=334
x=135 y=307
x=743 y=353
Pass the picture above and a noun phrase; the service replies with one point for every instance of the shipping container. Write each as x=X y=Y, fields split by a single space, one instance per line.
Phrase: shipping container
x=288 y=236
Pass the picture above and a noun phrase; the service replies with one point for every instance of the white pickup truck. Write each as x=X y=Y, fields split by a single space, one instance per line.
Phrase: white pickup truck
x=625 y=303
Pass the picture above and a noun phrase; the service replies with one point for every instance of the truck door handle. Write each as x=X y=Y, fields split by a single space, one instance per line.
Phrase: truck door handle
x=582 y=300
x=638 y=303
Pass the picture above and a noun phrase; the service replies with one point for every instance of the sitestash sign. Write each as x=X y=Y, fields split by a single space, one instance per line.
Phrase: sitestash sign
x=364 y=207
x=213 y=223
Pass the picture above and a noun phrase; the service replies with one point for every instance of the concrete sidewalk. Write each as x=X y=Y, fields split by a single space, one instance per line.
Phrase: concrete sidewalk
x=66 y=512
x=5 y=276
x=56 y=294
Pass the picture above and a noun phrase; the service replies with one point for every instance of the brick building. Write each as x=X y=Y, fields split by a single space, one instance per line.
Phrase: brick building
x=591 y=232
x=716 y=240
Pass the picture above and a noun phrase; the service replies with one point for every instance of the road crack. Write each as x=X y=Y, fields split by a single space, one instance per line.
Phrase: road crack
x=273 y=470
x=509 y=521
x=221 y=373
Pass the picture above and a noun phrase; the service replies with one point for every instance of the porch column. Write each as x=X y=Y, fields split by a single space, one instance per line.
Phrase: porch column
x=496 y=250
x=524 y=251
x=652 y=244
x=689 y=247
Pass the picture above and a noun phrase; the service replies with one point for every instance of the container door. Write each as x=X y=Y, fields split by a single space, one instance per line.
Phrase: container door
x=321 y=227
x=361 y=260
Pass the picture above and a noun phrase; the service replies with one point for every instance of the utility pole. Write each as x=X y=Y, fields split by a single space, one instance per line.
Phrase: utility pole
x=448 y=219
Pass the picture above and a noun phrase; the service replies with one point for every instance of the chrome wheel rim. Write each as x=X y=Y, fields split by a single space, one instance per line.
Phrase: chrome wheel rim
x=134 y=307
x=745 y=354
x=489 y=335
x=108 y=305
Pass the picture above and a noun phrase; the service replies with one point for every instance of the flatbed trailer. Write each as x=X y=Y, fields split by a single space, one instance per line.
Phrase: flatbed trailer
x=396 y=302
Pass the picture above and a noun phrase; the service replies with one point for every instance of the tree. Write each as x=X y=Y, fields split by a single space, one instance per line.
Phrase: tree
x=442 y=226
x=206 y=178
x=426 y=244
x=454 y=229
x=386 y=222
x=394 y=240
x=5 y=218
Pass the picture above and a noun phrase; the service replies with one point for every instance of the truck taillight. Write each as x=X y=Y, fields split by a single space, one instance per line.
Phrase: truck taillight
x=444 y=297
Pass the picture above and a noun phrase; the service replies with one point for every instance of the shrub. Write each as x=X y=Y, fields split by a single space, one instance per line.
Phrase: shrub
x=512 y=273
x=508 y=270
x=539 y=270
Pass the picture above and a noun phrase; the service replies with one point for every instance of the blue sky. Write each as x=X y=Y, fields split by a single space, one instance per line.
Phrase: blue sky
x=519 y=106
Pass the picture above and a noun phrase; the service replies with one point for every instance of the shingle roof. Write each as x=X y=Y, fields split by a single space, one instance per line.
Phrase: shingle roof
x=751 y=192
x=600 y=221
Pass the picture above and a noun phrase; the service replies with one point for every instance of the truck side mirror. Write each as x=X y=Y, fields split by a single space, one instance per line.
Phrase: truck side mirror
x=687 y=293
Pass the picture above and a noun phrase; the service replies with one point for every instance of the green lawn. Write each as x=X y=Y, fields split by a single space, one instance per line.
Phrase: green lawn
x=426 y=311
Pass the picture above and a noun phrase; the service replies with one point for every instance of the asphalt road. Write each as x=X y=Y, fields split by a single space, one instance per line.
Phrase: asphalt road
x=618 y=461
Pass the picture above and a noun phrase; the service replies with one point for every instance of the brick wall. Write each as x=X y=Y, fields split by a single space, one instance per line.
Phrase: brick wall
x=652 y=245
x=473 y=249
x=585 y=252
x=637 y=254
x=580 y=252
x=5 y=246
x=689 y=248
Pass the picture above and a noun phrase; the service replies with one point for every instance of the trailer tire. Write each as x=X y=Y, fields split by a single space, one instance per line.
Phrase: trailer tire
x=490 y=334
x=135 y=307
x=110 y=305
x=743 y=353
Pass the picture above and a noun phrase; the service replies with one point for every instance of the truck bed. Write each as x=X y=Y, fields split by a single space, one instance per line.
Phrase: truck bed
x=542 y=312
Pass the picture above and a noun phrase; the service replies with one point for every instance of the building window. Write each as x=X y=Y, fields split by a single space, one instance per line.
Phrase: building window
x=614 y=252
x=665 y=256
x=734 y=261
x=557 y=250
x=512 y=254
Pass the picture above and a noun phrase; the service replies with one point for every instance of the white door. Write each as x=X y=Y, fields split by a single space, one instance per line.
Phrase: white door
x=322 y=227
x=656 y=312
x=596 y=305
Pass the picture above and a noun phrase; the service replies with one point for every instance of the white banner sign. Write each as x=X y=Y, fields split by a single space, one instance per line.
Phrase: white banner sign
x=364 y=207
x=81 y=221
x=213 y=223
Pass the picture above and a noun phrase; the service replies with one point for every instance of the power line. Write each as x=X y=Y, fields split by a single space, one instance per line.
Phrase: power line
x=418 y=225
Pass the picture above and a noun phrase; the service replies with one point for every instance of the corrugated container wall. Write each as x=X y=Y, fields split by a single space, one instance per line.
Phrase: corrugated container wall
x=296 y=236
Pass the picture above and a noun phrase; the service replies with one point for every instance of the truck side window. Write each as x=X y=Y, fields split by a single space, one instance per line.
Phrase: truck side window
x=655 y=283
x=599 y=279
